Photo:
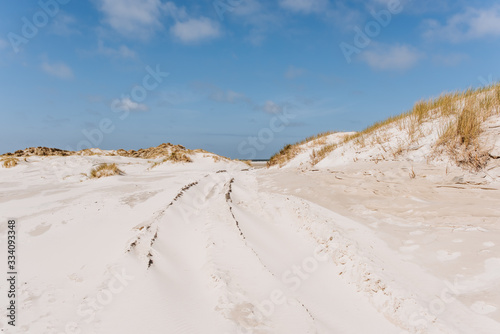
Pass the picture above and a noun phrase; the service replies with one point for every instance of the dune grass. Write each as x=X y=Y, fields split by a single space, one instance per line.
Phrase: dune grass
x=465 y=111
x=287 y=153
x=105 y=170
x=317 y=156
x=460 y=139
x=290 y=151
x=9 y=162
x=445 y=105
x=176 y=156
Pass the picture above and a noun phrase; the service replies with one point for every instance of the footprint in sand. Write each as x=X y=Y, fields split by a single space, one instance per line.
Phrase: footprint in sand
x=483 y=308
x=457 y=241
x=444 y=255
x=488 y=244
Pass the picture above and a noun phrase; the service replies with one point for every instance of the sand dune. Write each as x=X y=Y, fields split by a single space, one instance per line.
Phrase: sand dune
x=215 y=247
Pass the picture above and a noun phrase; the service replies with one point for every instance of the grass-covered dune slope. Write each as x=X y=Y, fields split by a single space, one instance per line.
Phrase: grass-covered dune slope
x=462 y=128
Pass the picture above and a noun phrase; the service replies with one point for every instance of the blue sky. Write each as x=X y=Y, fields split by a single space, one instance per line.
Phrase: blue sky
x=239 y=78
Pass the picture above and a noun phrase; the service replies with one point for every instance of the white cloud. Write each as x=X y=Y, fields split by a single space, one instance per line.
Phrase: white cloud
x=271 y=107
x=59 y=70
x=294 y=72
x=471 y=24
x=391 y=57
x=63 y=25
x=133 y=18
x=195 y=30
x=142 y=18
x=176 y=13
x=304 y=6
x=126 y=104
x=122 y=51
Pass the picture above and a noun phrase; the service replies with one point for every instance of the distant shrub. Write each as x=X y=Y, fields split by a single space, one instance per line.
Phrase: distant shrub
x=175 y=156
x=178 y=156
x=105 y=170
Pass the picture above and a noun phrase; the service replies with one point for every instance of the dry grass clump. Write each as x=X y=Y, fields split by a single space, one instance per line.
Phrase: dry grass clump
x=290 y=151
x=39 y=151
x=218 y=158
x=153 y=152
x=420 y=111
x=317 y=156
x=199 y=150
x=412 y=174
x=468 y=127
x=446 y=104
x=92 y=151
x=9 y=162
x=460 y=140
x=286 y=154
x=105 y=170
x=178 y=157
x=175 y=156
x=398 y=151
x=359 y=136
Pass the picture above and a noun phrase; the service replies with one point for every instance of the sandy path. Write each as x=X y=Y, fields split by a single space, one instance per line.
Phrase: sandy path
x=215 y=243
x=232 y=251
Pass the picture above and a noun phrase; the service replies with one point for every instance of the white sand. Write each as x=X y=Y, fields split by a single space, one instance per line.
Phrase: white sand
x=352 y=248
